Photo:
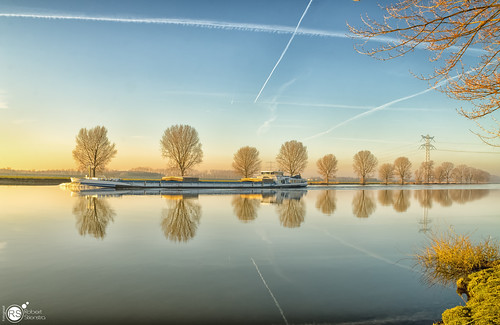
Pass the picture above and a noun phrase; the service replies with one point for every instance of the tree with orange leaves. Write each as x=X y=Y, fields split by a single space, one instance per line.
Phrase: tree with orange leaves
x=448 y=29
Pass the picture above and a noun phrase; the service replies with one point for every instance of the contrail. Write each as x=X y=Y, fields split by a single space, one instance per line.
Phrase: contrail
x=361 y=249
x=381 y=107
x=212 y=24
x=284 y=51
x=273 y=108
x=270 y=292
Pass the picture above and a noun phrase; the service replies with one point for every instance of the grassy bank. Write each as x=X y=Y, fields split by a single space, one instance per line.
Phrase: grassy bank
x=33 y=180
x=475 y=267
x=483 y=306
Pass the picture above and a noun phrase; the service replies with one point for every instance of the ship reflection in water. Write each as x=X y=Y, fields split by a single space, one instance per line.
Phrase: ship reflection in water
x=181 y=218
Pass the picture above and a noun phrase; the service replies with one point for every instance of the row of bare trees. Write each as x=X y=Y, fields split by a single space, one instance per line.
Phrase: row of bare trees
x=181 y=146
x=401 y=168
x=447 y=172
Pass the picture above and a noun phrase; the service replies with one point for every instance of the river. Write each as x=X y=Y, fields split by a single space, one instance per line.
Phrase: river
x=337 y=255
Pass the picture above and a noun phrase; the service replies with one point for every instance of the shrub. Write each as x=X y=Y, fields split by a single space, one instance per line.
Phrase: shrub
x=451 y=256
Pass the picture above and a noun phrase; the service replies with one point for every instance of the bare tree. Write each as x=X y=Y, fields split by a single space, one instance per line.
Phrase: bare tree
x=480 y=176
x=402 y=168
x=364 y=164
x=427 y=171
x=386 y=172
x=181 y=146
x=448 y=29
x=468 y=174
x=246 y=161
x=93 y=150
x=459 y=173
x=439 y=175
x=292 y=157
x=447 y=169
x=327 y=166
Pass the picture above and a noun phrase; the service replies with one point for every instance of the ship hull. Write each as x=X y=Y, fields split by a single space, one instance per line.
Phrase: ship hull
x=160 y=184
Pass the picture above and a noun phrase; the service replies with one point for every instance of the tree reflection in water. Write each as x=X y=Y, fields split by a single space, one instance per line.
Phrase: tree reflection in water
x=462 y=196
x=245 y=206
x=291 y=212
x=402 y=201
x=386 y=197
x=363 y=204
x=446 y=197
x=424 y=197
x=327 y=202
x=180 y=220
x=442 y=197
x=92 y=216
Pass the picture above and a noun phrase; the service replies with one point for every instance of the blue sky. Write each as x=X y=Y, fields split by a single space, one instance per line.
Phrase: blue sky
x=139 y=67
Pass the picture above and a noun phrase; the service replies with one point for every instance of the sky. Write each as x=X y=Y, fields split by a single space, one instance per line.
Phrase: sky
x=242 y=73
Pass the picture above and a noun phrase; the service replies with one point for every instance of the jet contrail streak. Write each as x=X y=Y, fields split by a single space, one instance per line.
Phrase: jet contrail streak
x=284 y=51
x=277 y=29
x=270 y=292
x=378 y=108
x=210 y=24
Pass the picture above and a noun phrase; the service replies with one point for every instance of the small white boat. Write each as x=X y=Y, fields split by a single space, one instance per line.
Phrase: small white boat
x=267 y=179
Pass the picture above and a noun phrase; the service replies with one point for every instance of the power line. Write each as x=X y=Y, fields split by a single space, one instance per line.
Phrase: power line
x=450 y=150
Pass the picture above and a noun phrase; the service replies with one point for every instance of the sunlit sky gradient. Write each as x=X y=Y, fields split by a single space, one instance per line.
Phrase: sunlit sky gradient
x=138 y=67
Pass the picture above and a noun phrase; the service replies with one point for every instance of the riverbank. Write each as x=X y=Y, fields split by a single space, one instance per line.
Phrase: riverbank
x=483 y=305
x=33 y=180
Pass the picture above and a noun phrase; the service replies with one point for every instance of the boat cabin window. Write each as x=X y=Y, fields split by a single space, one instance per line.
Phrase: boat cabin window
x=271 y=173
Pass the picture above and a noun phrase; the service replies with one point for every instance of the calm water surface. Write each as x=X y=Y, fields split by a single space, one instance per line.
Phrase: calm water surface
x=335 y=256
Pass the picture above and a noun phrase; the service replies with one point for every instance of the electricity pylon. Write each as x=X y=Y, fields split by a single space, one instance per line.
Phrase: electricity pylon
x=427 y=146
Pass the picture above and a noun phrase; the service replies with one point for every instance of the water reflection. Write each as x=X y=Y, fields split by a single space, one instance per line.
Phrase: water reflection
x=462 y=196
x=327 y=202
x=363 y=204
x=424 y=197
x=442 y=197
x=92 y=216
x=291 y=212
x=245 y=206
x=401 y=201
x=180 y=220
x=386 y=197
